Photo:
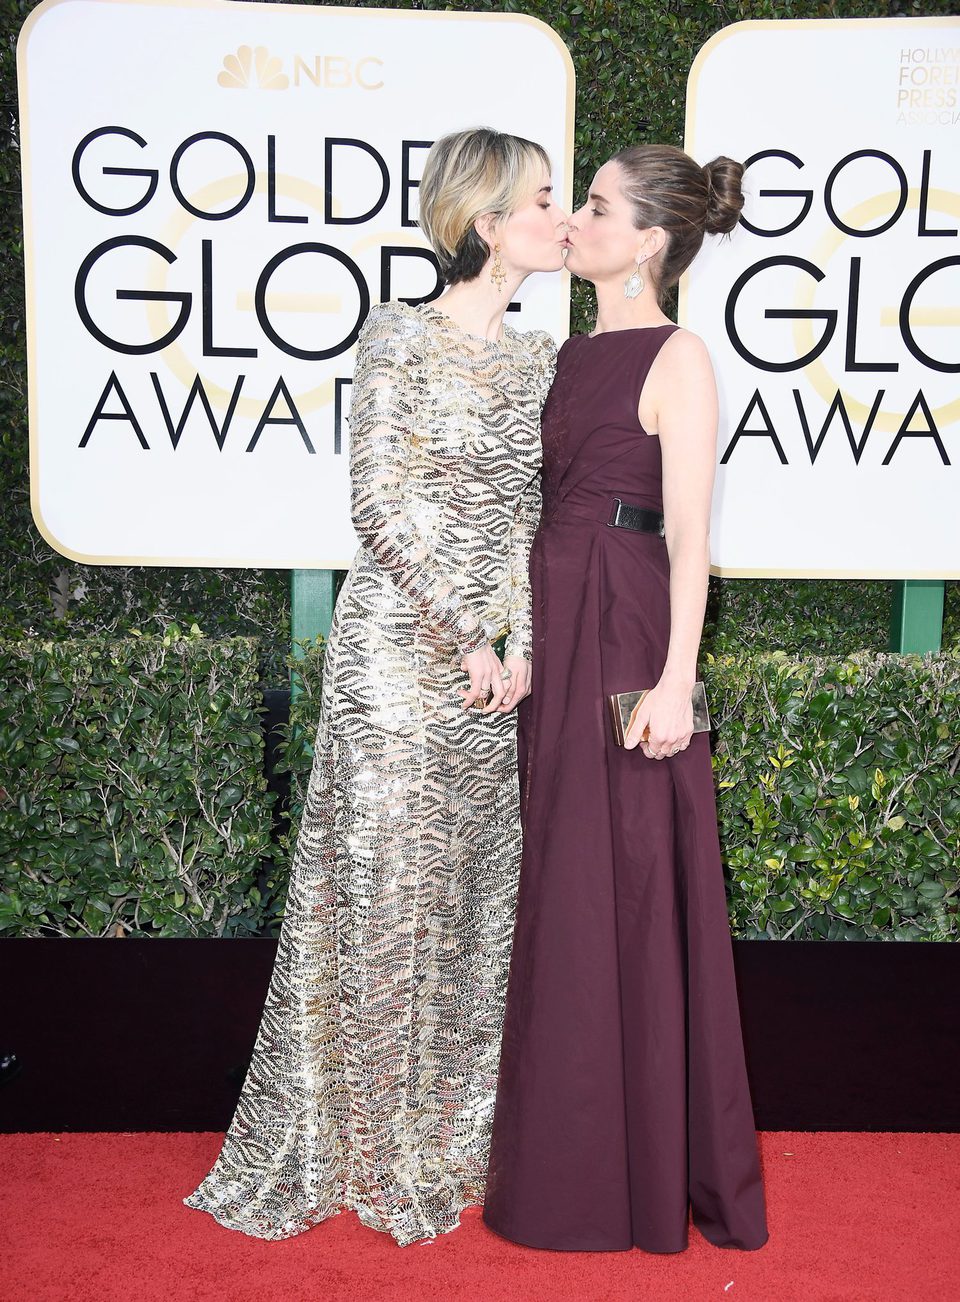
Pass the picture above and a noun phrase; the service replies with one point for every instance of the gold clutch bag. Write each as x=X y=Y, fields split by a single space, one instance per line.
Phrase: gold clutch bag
x=624 y=706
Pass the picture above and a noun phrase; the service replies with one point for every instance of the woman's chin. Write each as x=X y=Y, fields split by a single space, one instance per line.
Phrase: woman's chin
x=574 y=267
x=557 y=263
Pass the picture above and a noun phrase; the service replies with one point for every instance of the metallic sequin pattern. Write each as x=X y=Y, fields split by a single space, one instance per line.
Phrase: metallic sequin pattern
x=373 y=1075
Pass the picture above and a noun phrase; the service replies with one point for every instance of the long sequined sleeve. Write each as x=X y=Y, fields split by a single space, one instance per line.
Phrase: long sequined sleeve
x=525 y=521
x=389 y=366
x=526 y=518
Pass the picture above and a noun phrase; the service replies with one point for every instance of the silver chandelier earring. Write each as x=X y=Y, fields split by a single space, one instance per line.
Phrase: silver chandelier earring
x=634 y=285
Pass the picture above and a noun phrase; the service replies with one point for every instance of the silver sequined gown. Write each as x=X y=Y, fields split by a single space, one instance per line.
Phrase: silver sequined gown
x=373 y=1075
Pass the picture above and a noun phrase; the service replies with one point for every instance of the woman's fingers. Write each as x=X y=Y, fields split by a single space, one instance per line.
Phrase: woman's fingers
x=489 y=704
x=483 y=668
x=482 y=694
x=498 y=690
x=667 y=719
x=479 y=680
x=517 y=686
x=659 y=748
x=495 y=687
x=475 y=693
x=478 y=694
x=656 y=744
x=635 y=733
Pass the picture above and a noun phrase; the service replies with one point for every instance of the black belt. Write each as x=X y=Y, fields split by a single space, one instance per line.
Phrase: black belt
x=639 y=518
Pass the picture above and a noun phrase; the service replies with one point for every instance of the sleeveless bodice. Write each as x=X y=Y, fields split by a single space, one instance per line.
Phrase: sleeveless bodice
x=594 y=447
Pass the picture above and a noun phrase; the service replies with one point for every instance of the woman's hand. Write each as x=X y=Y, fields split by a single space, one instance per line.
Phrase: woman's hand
x=667 y=710
x=517 y=685
x=487 y=684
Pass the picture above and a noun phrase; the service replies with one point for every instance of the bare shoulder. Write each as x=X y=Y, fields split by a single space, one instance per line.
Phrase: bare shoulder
x=685 y=351
x=680 y=396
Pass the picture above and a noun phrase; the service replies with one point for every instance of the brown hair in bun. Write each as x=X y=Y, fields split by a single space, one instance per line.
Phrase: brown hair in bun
x=668 y=189
x=724 y=195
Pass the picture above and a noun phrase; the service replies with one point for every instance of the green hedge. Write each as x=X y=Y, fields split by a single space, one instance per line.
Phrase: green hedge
x=134 y=803
x=838 y=796
x=133 y=798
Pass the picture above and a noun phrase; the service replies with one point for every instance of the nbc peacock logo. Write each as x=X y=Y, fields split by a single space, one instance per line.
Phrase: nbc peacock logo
x=253 y=67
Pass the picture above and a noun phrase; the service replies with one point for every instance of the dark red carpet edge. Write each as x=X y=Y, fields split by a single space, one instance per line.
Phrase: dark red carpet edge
x=853 y=1218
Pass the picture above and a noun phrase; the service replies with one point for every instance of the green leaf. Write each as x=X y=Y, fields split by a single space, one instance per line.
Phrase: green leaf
x=931 y=891
x=802 y=853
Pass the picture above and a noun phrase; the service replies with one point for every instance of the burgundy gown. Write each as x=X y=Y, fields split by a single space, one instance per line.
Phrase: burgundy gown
x=623 y=1101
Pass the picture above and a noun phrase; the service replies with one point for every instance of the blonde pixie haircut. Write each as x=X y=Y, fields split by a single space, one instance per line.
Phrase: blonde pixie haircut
x=467 y=174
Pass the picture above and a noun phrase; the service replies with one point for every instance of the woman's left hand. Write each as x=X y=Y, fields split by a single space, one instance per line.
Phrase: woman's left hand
x=668 y=712
x=517 y=685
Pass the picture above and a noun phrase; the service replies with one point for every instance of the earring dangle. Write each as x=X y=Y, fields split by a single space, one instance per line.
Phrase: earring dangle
x=634 y=284
x=497 y=273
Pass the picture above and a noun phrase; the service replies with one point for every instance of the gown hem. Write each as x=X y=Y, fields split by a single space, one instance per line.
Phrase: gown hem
x=304 y=1224
x=539 y=1243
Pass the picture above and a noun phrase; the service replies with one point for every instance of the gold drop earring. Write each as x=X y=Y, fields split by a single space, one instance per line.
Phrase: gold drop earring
x=497 y=273
x=634 y=285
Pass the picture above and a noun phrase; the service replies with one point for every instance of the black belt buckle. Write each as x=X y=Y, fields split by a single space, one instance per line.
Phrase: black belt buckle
x=638 y=518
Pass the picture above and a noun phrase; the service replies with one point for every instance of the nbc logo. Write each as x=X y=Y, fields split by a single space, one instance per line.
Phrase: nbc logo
x=248 y=67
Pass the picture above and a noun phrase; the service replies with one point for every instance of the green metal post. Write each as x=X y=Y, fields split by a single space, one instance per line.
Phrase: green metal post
x=916 y=615
x=312 y=594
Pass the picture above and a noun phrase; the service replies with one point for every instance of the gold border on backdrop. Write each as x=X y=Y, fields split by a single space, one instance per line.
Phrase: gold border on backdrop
x=238 y=562
x=693 y=83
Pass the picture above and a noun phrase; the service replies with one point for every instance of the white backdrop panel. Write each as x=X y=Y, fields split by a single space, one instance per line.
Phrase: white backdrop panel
x=306 y=77
x=822 y=92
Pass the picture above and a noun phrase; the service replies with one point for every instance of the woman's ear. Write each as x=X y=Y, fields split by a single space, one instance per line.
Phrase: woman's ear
x=654 y=238
x=485 y=226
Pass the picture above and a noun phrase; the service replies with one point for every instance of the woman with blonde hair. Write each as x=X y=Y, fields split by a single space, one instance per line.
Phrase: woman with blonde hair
x=623 y=1103
x=372 y=1080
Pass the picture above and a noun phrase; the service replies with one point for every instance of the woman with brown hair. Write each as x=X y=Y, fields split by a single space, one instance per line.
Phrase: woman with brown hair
x=623 y=1100
x=373 y=1075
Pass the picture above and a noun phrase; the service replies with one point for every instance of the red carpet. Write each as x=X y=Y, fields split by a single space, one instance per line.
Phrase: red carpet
x=97 y=1218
